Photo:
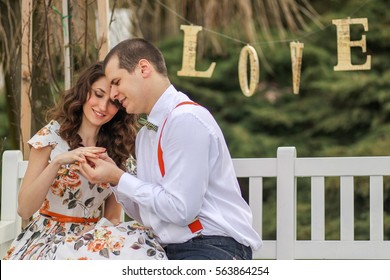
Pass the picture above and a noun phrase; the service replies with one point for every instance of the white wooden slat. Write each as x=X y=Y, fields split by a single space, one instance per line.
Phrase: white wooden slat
x=7 y=235
x=318 y=208
x=343 y=250
x=10 y=184
x=10 y=223
x=342 y=166
x=7 y=232
x=255 y=167
x=376 y=208
x=22 y=167
x=346 y=208
x=256 y=203
x=285 y=204
x=267 y=251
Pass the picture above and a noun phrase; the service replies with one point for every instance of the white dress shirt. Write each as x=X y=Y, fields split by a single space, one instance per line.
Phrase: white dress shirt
x=199 y=177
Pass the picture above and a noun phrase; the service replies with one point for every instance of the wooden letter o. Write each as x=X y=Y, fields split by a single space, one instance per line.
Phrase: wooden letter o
x=243 y=70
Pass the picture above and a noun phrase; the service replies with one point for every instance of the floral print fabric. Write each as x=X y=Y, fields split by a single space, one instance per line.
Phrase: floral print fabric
x=128 y=240
x=72 y=195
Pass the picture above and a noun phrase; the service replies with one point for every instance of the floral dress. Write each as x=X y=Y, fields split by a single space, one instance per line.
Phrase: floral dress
x=72 y=195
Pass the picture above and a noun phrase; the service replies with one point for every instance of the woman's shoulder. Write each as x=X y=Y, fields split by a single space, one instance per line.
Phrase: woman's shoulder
x=50 y=130
x=46 y=136
x=53 y=126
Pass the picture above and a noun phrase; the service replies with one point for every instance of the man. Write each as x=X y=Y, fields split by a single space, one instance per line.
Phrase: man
x=186 y=189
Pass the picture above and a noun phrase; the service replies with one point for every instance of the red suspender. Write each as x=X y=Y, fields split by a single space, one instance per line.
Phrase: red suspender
x=196 y=225
x=159 y=150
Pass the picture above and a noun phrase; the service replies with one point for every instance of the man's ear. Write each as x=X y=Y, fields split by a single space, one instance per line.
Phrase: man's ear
x=146 y=67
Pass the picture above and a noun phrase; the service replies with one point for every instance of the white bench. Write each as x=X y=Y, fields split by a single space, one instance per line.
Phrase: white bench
x=285 y=168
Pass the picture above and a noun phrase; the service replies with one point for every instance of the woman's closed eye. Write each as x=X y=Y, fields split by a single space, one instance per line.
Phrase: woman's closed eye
x=97 y=93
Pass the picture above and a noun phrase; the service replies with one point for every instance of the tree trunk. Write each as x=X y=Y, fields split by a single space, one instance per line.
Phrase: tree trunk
x=10 y=60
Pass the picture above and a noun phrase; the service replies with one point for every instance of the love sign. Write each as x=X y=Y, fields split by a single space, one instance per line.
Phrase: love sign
x=248 y=86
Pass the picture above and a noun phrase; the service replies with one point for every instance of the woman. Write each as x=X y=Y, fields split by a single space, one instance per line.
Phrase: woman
x=67 y=227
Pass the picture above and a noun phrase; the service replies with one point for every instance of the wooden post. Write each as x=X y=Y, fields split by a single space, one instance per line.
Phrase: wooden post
x=104 y=42
x=25 y=92
x=26 y=85
x=67 y=62
x=286 y=203
x=103 y=31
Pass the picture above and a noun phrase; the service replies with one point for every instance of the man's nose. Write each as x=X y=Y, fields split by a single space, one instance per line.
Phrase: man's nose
x=113 y=92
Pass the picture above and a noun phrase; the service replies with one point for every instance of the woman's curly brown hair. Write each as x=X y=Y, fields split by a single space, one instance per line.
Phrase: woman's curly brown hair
x=117 y=136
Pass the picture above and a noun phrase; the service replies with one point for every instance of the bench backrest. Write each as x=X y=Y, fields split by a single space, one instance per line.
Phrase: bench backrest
x=13 y=169
x=286 y=168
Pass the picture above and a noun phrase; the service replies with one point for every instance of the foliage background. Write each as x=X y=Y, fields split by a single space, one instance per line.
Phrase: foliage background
x=335 y=113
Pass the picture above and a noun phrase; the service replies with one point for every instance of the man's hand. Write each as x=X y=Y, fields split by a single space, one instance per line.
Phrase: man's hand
x=104 y=156
x=98 y=170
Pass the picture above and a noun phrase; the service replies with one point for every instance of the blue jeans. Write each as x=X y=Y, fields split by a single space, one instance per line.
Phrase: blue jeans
x=209 y=248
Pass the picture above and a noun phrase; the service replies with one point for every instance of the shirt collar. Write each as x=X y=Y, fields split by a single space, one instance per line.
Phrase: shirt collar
x=165 y=104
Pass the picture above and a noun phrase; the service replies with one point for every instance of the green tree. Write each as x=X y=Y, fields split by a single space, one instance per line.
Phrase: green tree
x=335 y=114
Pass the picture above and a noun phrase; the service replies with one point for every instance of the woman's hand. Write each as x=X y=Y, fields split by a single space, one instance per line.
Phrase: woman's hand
x=79 y=155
